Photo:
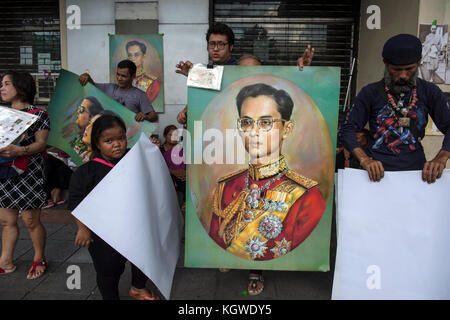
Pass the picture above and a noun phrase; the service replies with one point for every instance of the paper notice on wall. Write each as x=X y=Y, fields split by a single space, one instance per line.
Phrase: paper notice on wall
x=135 y=210
x=392 y=237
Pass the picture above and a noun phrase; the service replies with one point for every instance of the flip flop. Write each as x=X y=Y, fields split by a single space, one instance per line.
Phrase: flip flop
x=36 y=264
x=49 y=205
x=253 y=285
x=61 y=202
x=6 y=271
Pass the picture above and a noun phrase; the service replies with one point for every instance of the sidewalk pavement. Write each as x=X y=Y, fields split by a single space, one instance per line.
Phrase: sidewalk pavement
x=189 y=283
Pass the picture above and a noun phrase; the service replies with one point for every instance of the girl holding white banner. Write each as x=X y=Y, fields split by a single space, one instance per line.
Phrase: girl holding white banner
x=109 y=146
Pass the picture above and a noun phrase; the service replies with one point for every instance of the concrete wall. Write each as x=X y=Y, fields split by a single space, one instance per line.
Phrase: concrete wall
x=88 y=47
x=183 y=22
x=397 y=16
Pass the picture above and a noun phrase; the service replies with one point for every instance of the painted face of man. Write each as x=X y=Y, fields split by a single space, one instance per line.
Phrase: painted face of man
x=263 y=141
x=136 y=55
x=219 y=48
x=83 y=115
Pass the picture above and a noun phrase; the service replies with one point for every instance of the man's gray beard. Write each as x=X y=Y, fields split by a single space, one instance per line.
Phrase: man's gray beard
x=396 y=88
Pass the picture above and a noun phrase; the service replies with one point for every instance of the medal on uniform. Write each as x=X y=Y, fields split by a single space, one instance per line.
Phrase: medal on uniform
x=254 y=196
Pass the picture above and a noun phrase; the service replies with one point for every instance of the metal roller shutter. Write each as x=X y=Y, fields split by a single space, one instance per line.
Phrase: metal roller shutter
x=30 y=41
x=279 y=31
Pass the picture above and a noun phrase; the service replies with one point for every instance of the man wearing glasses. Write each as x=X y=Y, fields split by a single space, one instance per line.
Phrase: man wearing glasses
x=220 y=42
x=266 y=210
x=88 y=108
x=148 y=83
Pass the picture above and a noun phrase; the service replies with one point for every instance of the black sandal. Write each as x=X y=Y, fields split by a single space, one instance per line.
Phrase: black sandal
x=253 y=285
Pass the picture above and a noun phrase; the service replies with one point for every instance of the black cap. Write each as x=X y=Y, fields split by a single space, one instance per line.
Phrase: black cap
x=402 y=49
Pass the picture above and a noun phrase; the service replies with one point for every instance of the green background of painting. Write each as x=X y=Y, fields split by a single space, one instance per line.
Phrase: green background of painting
x=322 y=84
x=62 y=111
x=156 y=40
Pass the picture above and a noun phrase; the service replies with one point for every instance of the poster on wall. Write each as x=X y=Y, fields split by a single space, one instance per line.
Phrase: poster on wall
x=146 y=51
x=73 y=109
x=434 y=66
x=260 y=156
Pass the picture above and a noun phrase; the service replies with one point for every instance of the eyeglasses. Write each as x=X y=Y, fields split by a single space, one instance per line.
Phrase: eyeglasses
x=220 y=45
x=264 y=124
x=136 y=55
x=81 y=109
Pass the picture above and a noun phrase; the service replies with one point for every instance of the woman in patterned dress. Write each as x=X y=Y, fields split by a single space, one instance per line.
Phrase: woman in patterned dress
x=25 y=192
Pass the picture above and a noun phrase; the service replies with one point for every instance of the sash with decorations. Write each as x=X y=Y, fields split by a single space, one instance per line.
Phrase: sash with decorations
x=246 y=226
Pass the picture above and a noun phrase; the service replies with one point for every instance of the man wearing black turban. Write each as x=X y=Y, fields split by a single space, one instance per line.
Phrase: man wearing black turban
x=397 y=109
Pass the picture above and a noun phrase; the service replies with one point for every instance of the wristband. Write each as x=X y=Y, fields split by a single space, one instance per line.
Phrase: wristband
x=25 y=150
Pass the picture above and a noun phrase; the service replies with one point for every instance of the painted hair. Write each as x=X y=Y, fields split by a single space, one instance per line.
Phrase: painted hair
x=107 y=121
x=281 y=97
x=142 y=46
x=95 y=107
x=24 y=84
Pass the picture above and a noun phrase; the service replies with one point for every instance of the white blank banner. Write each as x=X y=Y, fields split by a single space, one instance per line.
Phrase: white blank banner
x=135 y=210
x=393 y=237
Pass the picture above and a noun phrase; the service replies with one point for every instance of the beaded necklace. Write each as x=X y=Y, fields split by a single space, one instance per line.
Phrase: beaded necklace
x=407 y=112
x=394 y=105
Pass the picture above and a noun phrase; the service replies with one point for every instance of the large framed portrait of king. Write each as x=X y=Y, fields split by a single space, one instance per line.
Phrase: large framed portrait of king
x=260 y=160
x=146 y=51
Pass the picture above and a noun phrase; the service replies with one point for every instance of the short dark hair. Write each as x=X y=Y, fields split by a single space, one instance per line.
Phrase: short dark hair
x=281 y=97
x=95 y=107
x=142 y=46
x=105 y=121
x=128 y=64
x=221 y=28
x=169 y=128
x=24 y=84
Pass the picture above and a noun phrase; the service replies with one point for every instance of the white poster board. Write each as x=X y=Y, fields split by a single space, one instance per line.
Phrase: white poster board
x=393 y=237
x=135 y=210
